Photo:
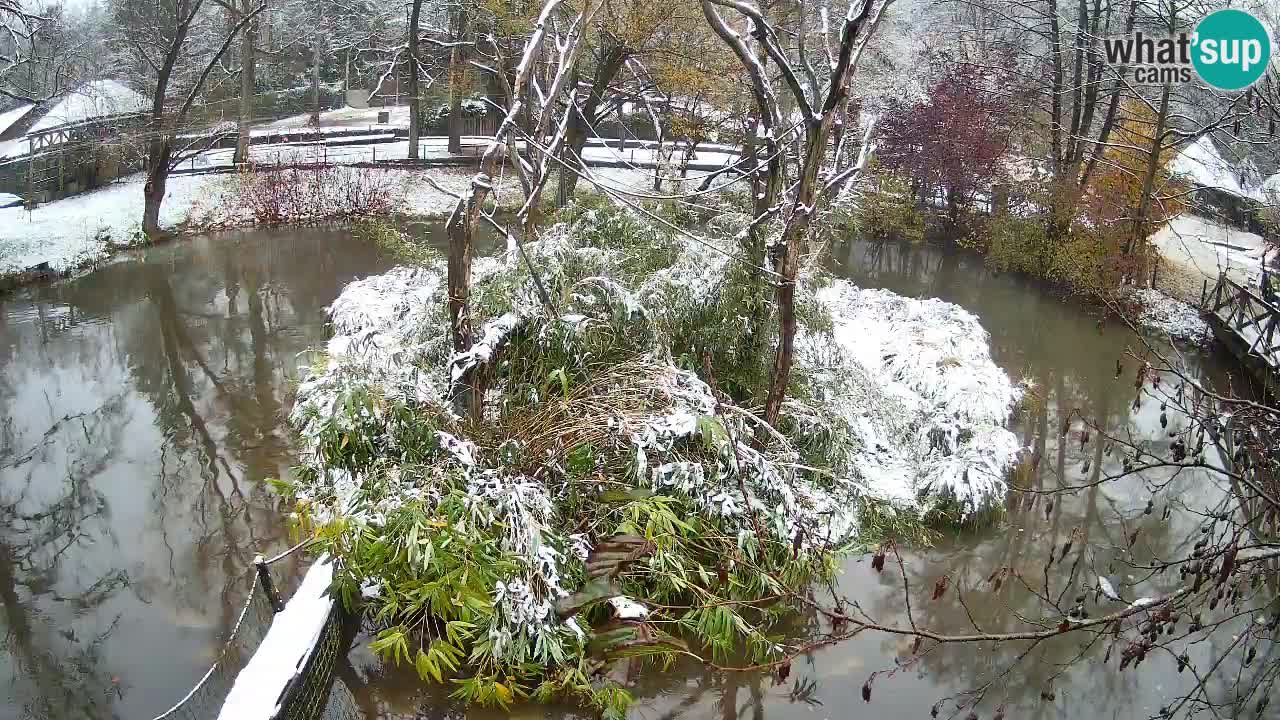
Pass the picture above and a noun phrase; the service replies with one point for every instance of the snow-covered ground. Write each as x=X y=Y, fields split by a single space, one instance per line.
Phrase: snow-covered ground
x=343 y=117
x=1169 y=317
x=83 y=229
x=1207 y=248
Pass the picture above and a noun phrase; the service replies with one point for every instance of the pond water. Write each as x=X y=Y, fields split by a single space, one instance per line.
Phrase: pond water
x=142 y=406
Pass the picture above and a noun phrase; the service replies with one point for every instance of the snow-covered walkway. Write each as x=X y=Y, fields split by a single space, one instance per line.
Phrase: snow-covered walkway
x=74 y=232
x=1196 y=250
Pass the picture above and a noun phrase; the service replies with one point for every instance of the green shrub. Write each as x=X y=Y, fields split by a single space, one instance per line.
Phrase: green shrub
x=886 y=209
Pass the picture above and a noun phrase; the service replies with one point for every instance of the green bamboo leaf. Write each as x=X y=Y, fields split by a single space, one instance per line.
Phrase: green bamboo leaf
x=625 y=496
x=424 y=666
x=559 y=373
x=713 y=432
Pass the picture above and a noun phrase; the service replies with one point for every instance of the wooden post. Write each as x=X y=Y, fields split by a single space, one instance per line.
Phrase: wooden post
x=268 y=585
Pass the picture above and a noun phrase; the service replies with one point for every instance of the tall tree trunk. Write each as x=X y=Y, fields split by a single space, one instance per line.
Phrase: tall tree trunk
x=457 y=76
x=588 y=115
x=315 y=75
x=415 y=103
x=460 y=241
x=158 y=156
x=1055 y=90
x=1141 y=215
x=788 y=265
x=248 y=39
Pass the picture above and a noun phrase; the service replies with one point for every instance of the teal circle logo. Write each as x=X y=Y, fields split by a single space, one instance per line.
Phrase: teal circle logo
x=1231 y=49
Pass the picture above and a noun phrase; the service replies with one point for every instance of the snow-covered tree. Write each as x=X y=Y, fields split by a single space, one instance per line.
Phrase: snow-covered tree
x=172 y=47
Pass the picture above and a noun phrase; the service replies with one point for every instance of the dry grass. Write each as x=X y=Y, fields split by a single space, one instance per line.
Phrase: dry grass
x=630 y=393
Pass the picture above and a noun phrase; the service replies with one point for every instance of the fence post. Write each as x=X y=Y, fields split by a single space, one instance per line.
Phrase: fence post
x=268 y=586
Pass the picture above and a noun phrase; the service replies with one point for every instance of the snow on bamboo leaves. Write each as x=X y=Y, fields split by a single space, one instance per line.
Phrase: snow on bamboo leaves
x=603 y=484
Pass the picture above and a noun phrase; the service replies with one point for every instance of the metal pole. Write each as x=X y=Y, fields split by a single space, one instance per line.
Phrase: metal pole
x=268 y=586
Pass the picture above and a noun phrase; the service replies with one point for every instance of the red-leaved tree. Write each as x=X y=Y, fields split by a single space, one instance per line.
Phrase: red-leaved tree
x=950 y=143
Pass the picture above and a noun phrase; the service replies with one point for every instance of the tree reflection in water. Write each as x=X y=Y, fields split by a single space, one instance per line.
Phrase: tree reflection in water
x=127 y=529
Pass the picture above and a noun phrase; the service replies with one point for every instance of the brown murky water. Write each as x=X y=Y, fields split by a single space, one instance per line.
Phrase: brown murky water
x=141 y=406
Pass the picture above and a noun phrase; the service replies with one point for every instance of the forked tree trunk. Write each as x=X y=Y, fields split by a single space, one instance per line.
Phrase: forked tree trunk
x=462 y=222
x=818 y=123
x=160 y=124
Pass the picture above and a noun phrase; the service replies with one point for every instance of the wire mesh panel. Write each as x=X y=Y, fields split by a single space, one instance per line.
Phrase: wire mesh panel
x=308 y=694
x=342 y=705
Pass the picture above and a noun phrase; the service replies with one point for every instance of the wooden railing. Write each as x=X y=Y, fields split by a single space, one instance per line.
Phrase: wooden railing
x=1256 y=321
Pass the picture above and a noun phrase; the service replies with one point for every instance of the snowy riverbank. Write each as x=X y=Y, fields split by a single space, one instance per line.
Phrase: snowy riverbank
x=82 y=230
x=79 y=231
x=1169 y=318
x=1197 y=249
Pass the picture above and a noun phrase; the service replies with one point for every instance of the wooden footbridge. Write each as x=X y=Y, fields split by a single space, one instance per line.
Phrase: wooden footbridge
x=1249 y=325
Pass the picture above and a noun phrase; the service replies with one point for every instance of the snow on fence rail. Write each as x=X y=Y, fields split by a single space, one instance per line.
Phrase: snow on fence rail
x=277 y=674
x=294 y=649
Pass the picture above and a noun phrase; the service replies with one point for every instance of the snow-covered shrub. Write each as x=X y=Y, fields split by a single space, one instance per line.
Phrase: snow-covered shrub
x=472 y=107
x=610 y=499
